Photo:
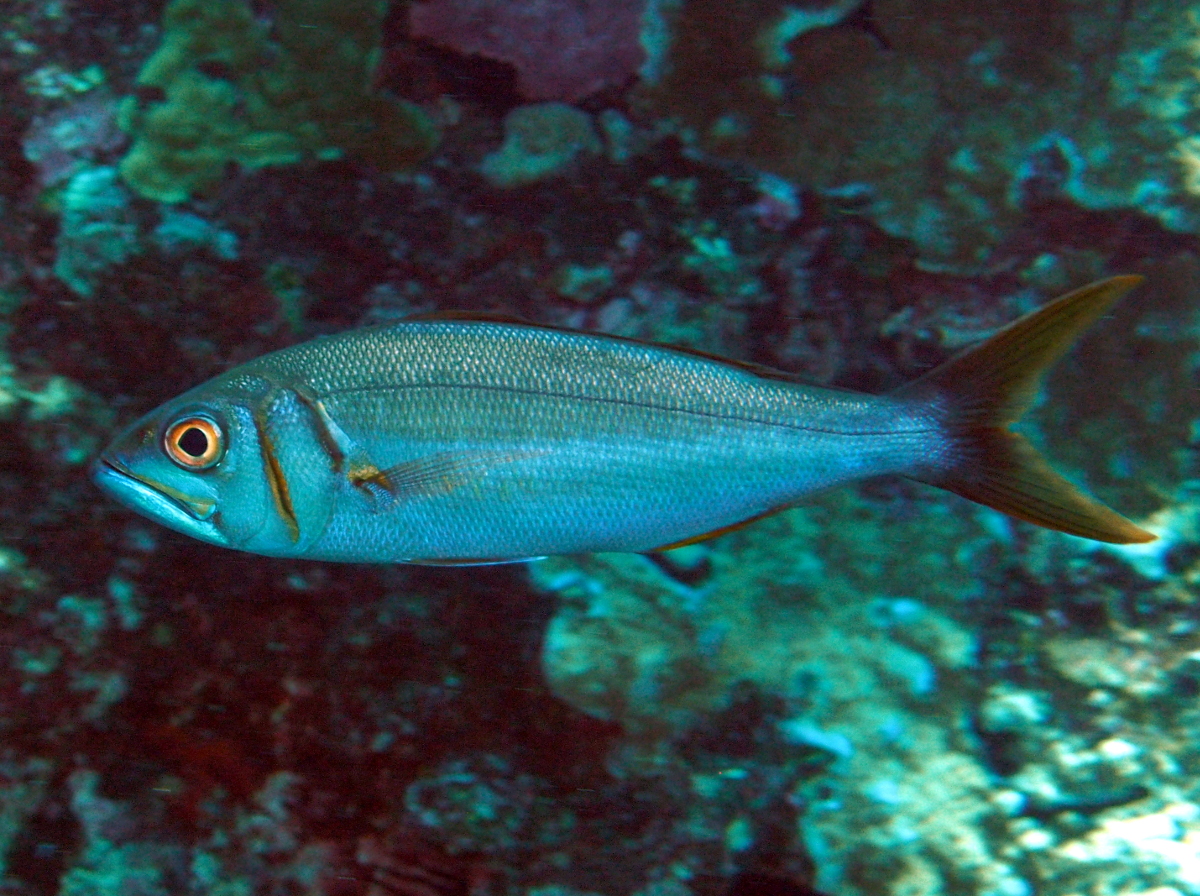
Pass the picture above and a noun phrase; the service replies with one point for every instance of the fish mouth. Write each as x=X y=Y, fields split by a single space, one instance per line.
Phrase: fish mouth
x=182 y=512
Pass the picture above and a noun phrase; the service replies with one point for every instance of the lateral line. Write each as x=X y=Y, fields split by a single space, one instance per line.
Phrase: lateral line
x=650 y=407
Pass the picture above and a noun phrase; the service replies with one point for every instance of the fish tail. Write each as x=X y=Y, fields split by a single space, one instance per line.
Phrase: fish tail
x=979 y=394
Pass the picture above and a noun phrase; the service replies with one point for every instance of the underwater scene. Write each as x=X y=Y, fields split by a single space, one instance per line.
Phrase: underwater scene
x=477 y=588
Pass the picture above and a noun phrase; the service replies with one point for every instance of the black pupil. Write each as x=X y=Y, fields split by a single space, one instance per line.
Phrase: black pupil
x=193 y=442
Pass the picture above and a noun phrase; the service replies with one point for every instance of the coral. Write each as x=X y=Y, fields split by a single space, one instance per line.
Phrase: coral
x=81 y=133
x=931 y=818
x=231 y=88
x=562 y=49
x=968 y=116
x=1162 y=844
x=475 y=806
x=540 y=141
x=887 y=689
x=1102 y=662
x=180 y=232
x=802 y=607
x=132 y=870
x=97 y=231
x=633 y=645
x=52 y=82
x=22 y=789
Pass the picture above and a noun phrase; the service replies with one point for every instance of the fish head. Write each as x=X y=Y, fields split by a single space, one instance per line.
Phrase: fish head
x=195 y=465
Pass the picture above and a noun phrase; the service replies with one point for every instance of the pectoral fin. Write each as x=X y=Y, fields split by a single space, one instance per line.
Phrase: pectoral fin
x=384 y=488
x=425 y=477
x=473 y=562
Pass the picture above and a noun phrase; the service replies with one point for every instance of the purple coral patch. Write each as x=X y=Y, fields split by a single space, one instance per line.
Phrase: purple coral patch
x=562 y=49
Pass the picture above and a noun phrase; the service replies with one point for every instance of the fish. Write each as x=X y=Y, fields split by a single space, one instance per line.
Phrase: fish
x=457 y=440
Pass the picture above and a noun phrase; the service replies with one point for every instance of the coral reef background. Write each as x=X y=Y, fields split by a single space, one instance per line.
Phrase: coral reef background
x=885 y=692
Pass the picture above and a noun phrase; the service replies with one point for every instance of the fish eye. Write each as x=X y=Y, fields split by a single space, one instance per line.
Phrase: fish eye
x=195 y=442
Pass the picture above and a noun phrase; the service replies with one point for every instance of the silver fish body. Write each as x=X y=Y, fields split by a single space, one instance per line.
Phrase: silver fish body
x=456 y=441
x=503 y=441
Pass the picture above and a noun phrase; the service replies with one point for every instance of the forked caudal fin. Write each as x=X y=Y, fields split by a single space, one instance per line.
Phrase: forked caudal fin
x=983 y=391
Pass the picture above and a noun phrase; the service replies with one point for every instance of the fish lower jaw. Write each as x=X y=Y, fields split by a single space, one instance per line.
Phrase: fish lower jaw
x=143 y=498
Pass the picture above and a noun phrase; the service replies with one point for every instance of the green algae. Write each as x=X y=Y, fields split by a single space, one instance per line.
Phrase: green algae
x=225 y=87
x=540 y=141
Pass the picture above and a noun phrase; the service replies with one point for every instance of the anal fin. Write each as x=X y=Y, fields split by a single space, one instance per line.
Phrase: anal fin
x=720 y=530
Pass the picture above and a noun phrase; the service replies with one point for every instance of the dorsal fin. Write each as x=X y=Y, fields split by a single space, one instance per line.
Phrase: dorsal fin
x=464 y=316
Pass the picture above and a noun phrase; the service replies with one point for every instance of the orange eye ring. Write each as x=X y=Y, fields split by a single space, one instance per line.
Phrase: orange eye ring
x=194 y=442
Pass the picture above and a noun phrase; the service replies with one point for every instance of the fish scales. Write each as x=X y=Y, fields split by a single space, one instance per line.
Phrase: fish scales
x=615 y=445
x=456 y=441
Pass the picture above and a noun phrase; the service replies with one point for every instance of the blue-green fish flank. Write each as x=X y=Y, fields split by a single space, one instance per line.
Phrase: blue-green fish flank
x=462 y=441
